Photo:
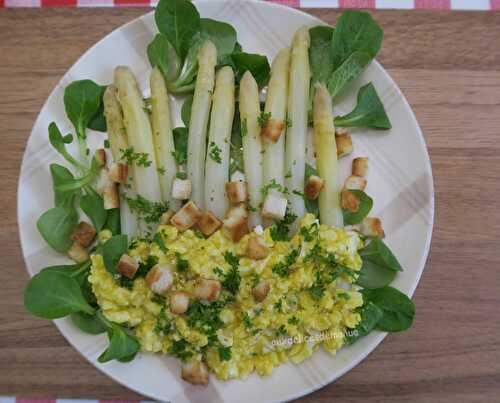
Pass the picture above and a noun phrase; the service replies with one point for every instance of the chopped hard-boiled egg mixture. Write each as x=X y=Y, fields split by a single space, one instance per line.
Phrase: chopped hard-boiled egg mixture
x=283 y=306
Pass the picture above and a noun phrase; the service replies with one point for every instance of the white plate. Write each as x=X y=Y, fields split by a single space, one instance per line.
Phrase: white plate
x=400 y=182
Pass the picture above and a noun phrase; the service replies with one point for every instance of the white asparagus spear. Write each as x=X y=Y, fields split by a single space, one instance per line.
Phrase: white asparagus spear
x=298 y=96
x=219 y=137
x=117 y=137
x=252 y=146
x=273 y=163
x=163 y=138
x=200 y=110
x=139 y=134
x=326 y=158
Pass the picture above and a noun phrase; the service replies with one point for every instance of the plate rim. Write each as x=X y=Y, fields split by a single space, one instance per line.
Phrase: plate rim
x=423 y=257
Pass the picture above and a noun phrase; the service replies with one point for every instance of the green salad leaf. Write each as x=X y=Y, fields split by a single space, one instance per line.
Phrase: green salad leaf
x=348 y=71
x=161 y=53
x=122 y=346
x=398 y=310
x=380 y=266
x=369 y=111
x=90 y=324
x=180 y=143
x=112 y=251
x=62 y=175
x=186 y=110
x=113 y=222
x=320 y=53
x=258 y=65
x=98 y=121
x=56 y=226
x=370 y=316
x=52 y=294
x=356 y=31
x=365 y=206
x=93 y=206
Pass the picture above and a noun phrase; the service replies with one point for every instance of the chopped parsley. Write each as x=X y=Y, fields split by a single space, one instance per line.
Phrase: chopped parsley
x=181 y=175
x=180 y=350
x=147 y=210
x=280 y=230
x=309 y=233
x=273 y=185
x=218 y=271
x=284 y=268
x=181 y=264
x=204 y=317
x=263 y=118
x=157 y=239
x=163 y=324
x=214 y=152
x=247 y=321
x=106 y=143
x=281 y=332
x=254 y=280
x=317 y=290
x=161 y=170
x=278 y=306
x=288 y=122
x=131 y=157
x=232 y=279
x=288 y=174
x=224 y=353
x=293 y=321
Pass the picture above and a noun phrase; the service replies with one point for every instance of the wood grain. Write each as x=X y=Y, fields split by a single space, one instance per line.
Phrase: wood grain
x=448 y=66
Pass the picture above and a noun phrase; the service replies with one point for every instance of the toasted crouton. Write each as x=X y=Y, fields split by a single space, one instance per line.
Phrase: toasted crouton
x=207 y=290
x=344 y=144
x=166 y=217
x=111 y=197
x=84 y=234
x=100 y=157
x=349 y=201
x=355 y=183
x=371 y=227
x=313 y=186
x=181 y=189
x=260 y=291
x=127 y=266
x=187 y=216
x=236 y=192
x=274 y=206
x=103 y=181
x=256 y=247
x=118 y=173
x=179 y=302
x=159 y=279
x=272 y=130
x=341 y=130
x=78 y=253
x=360 y=166
x=235 y=225
x=209 y=223
x=194 y=372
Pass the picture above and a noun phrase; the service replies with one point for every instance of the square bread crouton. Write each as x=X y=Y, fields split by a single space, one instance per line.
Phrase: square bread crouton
x=160 y=278
x=179 y=302
x=313 y=186
x=84 y=234
x=235 y=225
x=194 y=372
x=274 y=206
x=100 y=157
x=209 y=223
x=344 y=144
x=371 y=227
x=78 y=253
x=181 y=189
x=360 y=166
x=118 y=173
x=166 y=217
x=260 y=292
x=236 y=192
x=349 y=201
x=355 y=183
x=272 y=130
x=187 y=216
x=207 y=290
x=111 y=197
x=256 y=247
x=127 y=266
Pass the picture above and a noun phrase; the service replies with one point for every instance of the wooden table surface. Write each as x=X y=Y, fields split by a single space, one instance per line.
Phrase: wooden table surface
x=448 y=66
